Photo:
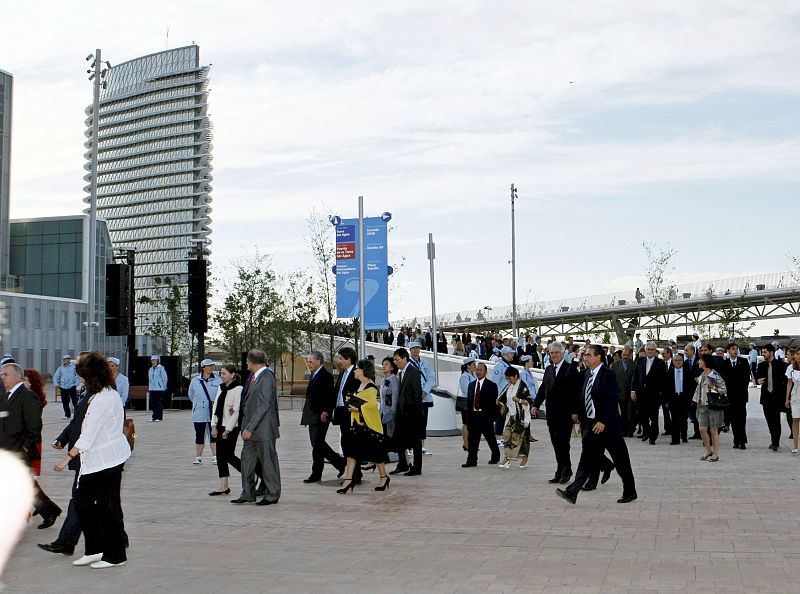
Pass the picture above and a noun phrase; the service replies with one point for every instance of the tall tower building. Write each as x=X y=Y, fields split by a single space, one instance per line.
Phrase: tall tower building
x=154 y=165
x=6 y=92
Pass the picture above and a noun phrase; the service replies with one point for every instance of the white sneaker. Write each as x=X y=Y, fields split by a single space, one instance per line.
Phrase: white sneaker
x=426 y=452
x=104 y=564
x=214 y=460
x=410 y=452
x=157 y=421
x=795 y=450
x=506 y=465
x=521 y=465
x=87 y=559
x=198 y=461
x=500 y=442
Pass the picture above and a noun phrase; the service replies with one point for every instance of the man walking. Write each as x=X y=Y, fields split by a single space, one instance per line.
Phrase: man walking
x=317 y=413
x=481 y=411
x=679 y=392
x=408 y=422
x=600 y=416
x=157 y=387
x=66 y=379
x=648 y=390
x=771 y=376
x=736 y=373
x=260 y=430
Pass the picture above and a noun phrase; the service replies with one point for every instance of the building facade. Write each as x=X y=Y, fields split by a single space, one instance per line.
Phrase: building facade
x=154 y=167
x=6 y=95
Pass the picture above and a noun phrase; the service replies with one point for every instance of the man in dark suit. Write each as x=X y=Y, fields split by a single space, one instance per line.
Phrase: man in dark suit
x=678 y=393
x=736 y=372
x=771 y=376
x=317 y=413
x=600 y=415
x=647 y=390
x=346 y=383
x=481 y=412
x=692 y=365
x=409 y=420
x=559 y=391
x=624 y=371
x=260 y=430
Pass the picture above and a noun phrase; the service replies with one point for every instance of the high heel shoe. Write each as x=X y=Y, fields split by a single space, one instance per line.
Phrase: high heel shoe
x=349 y=487
x=366 y=468
x=385 y=485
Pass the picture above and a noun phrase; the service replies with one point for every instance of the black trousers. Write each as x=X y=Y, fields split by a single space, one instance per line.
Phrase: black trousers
x=99 y=508
x=591 y=459
x=226 y=453
x=667 y=419
x=480 y=424
x=69 y=395
x=70 y=531
x=157 y=404
x=320 y=450
x=627 y=412
x=648 y=416
x=738 y=418
x=679 y=407
x=772 y=414
x=560 y=434
x=603 y=465
x=42 y=504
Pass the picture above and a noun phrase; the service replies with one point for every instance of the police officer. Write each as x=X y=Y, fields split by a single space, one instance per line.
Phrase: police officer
x=123 y=385
x=467 y=376
x=203 y=392
x=426 y=374
x=66 y=378
x=499 y=377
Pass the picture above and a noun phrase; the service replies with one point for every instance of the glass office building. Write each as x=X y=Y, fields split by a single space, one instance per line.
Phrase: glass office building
x=6 y=92
x=154 y=164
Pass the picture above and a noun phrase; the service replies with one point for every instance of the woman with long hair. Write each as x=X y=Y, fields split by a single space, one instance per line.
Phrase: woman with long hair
x=390 y=388
x=517 y=398
x=710 y=420
x=364 y=437
x=793 y=397
x=103 y=450
x=224 y=426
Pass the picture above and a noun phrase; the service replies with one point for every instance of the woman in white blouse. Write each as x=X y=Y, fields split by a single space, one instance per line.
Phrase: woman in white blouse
x=225 y=426
x=103 y=450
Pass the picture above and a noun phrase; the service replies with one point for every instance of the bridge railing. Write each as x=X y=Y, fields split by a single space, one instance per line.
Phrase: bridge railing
x=716 y=288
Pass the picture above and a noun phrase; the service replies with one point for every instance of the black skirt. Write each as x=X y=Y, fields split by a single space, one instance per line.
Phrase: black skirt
x=363 y=444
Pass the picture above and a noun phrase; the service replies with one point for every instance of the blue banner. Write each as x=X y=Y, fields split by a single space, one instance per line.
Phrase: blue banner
x=376 y=274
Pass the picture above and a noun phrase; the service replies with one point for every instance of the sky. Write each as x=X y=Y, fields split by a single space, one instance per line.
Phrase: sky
x=618 y=122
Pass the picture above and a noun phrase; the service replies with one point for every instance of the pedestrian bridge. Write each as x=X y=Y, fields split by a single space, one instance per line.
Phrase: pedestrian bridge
x=727 y=301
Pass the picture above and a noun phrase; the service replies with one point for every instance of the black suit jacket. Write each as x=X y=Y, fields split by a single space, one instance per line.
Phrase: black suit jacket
x=72 y=431
x=320 y=397
x=649 y=387
x=488 y=398
x=560 y=393
x=778 y=394
x=687 y=390
x=605 y=396
x=341 y=416
x=409 y=396
x=21 y=426
x=737 y=379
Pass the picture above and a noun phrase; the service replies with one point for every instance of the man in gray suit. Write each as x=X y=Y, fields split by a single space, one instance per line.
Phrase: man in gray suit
x=260 y=428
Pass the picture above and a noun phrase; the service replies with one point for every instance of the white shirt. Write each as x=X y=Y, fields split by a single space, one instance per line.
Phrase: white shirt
x=697 y=344
x=12 y=390
x=102 y=444
x=345 y=376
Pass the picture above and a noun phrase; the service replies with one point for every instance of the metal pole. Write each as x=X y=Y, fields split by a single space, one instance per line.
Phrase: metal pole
x=201 y=345
x=513 y=267
x=431 y=258
x=93 y=203
x=131 y=257
x=361 y=268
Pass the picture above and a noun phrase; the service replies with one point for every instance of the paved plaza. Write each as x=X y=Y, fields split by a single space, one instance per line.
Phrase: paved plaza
x=731 y=526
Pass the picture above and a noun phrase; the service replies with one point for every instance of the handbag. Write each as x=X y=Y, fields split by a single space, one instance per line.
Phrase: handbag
x=461 y=404
x=129 y=431
x=717 y=401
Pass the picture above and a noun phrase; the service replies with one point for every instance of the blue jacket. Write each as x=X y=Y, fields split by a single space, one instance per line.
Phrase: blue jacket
x=158 y=378
x=65 y=376
x=527 y=377
x=466 y=379
x=499 y=374
x=201 y=407
x=426 y=374
x=123 y=387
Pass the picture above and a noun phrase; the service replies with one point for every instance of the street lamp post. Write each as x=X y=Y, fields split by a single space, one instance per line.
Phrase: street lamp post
x=431 y=258
x=513 y=266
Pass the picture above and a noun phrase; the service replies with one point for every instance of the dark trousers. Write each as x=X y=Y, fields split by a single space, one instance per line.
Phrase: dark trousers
x=226 y=453
x=667 y=419
x=648 y=417
x=772 y=414
x=560 y=434
x=70 y=531
x=738 y=418
x=627 y=413
x=321 y=451
x=693 y=418
x=592 y=454
x=480 y=424
x=97 y=502
x=679 y=407
x=69 y=395
x=42 y=504
x=157 y=404
x=603 y=465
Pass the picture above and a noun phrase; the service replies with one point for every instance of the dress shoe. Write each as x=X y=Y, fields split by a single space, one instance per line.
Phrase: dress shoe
x=674 y=443
x=566 y=495
x=48 y=519
x=645 y=437
x=105 y=564
x=266 y=502
x=742 y=446
x=493 y=461
x=652 y=442
x=467 y=465
x=684 y=440
x=607 y=475
x=565 y=477
x=312 y=479
x=400 y=470
x=215 y=493
x=556 y=478
x=695 y=436
x=774 y=448
x=241 y=500
x=87 y=560
x=412 y=472
x=627 y=498
x=57 y=547
x=588 y=487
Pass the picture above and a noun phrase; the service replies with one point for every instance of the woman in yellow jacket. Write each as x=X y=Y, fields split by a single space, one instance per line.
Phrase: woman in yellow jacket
x=363 y=441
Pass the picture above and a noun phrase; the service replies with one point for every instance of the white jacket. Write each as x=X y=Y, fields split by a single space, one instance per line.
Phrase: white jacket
x=102 y=443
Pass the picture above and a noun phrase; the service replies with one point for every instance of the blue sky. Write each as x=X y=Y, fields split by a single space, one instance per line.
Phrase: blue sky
x=619 y=122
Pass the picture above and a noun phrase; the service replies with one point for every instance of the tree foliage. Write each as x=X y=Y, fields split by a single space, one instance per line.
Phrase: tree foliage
x=164 y=317
x=658 y=266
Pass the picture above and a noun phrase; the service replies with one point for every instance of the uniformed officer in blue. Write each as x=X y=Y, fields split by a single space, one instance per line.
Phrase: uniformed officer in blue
x=123 y=385
x=526 y=375
x=499 y=377
x=426 y=375
x=66 y=378
x=467 y=376
x=157 y=387
x=203 y=392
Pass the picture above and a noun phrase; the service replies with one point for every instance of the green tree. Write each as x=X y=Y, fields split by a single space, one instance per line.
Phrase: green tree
x=659 y=265
x=164 y=316
x=321 y=239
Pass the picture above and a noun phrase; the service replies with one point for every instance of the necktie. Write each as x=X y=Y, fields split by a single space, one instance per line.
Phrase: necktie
x=8 y=395
x=733 y=364
x=769 y=377
x=478 y=395
x=587 y=397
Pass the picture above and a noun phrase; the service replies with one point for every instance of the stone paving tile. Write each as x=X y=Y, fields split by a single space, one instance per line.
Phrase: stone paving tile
x=697 y=526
